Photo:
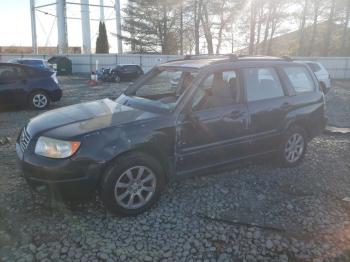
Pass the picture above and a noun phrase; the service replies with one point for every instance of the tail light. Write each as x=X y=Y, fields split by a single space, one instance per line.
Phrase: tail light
x=54 y=78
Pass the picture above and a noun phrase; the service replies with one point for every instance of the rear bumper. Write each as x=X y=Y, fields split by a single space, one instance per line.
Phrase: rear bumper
x=64 y=178
x=56 y=95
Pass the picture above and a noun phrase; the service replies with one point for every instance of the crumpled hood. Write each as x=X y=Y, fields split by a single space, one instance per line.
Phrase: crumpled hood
x=71 y=121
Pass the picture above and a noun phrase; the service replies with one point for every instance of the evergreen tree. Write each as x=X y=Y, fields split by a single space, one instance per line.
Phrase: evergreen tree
x=151 y=26
x=102 y=46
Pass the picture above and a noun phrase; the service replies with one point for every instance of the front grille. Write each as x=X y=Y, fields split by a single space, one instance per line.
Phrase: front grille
x=24 y=140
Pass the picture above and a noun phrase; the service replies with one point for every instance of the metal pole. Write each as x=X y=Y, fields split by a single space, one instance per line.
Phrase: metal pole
x=102 y=14
x=119 y=26
x=85 y=24
x=33 y=25
x=62 y=27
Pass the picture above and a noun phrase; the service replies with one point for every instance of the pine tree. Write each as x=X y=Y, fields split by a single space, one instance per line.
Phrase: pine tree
x=151 y=26
x=102 y=46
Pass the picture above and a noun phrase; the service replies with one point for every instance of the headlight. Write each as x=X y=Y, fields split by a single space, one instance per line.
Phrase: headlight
x=54 y=148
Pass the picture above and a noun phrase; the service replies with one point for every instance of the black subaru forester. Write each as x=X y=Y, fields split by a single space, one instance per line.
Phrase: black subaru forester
x=183 y=117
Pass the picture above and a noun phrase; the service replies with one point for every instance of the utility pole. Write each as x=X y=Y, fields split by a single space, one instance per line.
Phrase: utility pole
x=119 y=26
x=102 y=14
x=33 y=25
x=62 y=27
x=85 y=23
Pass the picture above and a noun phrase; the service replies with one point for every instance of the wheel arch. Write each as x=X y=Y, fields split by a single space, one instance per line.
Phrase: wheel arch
x=302 y=123
x=148 y=149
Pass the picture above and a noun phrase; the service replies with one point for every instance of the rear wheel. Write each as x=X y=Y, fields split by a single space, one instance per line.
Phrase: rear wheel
x=39 y=100
x=293 y=147
x=132 y=185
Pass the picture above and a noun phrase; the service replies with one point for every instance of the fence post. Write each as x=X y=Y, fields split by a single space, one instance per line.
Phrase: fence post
x=141 y=61
x=116 y=59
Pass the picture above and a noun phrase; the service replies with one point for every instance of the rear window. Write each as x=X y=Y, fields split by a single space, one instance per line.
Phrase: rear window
x=300 y=78
x=314 y=67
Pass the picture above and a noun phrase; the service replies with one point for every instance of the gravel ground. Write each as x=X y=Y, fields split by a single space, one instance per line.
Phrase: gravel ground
x=257 y=212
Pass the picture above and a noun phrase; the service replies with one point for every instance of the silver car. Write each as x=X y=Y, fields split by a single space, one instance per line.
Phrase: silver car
x=321 y=73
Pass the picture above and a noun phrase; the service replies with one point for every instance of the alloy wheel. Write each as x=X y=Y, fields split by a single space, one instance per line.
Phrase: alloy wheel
x=40 y=100
x=294 y=148
x=135 y=187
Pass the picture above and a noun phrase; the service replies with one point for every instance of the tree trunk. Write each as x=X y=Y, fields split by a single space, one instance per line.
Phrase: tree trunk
x=261 y=13
x=197 y=16
x=219 y=40
x=314 y=26
x=273 y=29
x=206 y=28
x=181 y=30
x=328 y=35
x=345 y=28
x=266 y=34
x=302 y=28
x=252 y=27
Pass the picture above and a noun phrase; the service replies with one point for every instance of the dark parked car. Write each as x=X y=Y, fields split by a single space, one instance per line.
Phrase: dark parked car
x=24 y=85
x=223 y=110
x=120 y=73
x=34 y=62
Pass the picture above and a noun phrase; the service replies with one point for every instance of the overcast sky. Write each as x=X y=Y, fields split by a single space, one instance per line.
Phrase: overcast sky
x=15 y=26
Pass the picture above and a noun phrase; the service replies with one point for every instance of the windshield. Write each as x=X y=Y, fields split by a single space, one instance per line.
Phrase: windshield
x=163 y=87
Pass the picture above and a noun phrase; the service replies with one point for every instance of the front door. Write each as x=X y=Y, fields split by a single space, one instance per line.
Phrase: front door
x=213 y=132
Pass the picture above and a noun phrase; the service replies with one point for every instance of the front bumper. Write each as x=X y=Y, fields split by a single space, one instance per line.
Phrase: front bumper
x=64 y=178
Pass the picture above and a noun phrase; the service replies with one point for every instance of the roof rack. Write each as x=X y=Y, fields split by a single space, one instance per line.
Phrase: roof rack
x=287 y=58
x=197 y=57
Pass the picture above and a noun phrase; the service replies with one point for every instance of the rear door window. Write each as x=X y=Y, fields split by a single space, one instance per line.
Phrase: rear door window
x=299 y=78
x=9 y=73
x=262 y=83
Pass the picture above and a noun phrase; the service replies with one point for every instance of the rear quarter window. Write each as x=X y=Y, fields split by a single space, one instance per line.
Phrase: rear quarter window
x=314 y=67
x=300 y=78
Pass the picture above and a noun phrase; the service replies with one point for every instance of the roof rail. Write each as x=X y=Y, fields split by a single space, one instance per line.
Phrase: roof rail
x=232 y=57
x=287 y=58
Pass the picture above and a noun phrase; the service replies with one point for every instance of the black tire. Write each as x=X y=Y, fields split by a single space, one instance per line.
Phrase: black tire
x=39 y=100
x=284 y=155
x=118 y=171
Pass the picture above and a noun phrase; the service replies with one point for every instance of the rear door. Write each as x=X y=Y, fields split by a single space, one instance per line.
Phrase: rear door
x=267 y=105
x=12 y=84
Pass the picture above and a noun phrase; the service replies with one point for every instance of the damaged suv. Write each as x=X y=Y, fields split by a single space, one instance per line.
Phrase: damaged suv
x=183 y=117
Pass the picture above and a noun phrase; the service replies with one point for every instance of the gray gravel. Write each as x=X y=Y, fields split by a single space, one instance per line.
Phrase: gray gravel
x=257 y=212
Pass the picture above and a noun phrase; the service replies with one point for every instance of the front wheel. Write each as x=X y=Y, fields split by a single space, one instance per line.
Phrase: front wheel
x=293 y=147
x=132 y=185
